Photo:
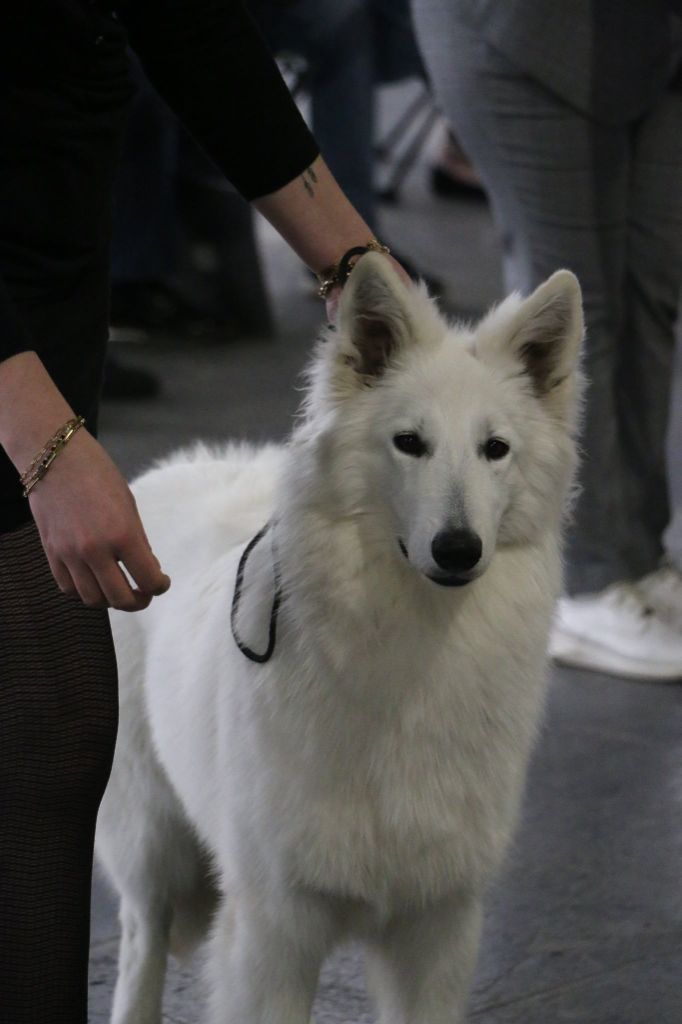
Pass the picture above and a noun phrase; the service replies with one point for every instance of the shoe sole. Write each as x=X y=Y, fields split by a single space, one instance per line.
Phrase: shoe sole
x=576 y=652
x=128 y=334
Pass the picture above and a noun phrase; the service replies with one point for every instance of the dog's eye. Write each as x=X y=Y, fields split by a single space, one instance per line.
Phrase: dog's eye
x=495 y=448
x=409 y=443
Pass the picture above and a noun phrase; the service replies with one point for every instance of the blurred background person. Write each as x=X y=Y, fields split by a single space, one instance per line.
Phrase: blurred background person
x=184 y=257
x=184 y=260
x=452 y=174
x=348 y=48
x=185 y=263
x=572 y=116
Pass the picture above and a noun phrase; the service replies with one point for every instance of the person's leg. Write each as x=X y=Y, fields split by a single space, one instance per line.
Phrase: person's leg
x=558 y=186
x=652 y=294
x=648 y=370
x=220 y=268
x=58 y=711
x=144 y=244
x=673 y=539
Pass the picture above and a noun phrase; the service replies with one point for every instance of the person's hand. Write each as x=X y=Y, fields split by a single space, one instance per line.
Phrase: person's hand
x=88 y=523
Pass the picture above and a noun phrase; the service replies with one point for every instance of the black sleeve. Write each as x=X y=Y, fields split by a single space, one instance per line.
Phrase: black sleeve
x=210 y=63
x=14 y=335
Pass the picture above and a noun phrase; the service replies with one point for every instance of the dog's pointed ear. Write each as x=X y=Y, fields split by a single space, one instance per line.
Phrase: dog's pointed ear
x=374 y=318
x=541 y=335
x=548 y=331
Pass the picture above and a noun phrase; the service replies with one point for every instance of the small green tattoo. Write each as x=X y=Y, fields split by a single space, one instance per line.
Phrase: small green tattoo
x=309 y=179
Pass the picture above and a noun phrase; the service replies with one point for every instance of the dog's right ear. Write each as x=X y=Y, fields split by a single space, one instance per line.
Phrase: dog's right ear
x=374 y=322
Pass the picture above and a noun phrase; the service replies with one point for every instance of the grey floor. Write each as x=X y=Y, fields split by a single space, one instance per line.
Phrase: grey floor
x=585 y=924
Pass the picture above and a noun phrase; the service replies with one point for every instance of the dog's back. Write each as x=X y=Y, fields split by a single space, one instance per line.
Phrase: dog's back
x=202 y=490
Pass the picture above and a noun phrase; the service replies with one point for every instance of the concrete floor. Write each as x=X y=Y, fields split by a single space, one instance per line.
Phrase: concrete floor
x=585 y=924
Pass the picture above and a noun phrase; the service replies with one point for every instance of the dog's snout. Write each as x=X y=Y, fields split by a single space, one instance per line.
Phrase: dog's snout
x=456 y=550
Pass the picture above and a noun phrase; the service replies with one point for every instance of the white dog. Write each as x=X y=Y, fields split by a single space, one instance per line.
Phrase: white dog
x=324 y=733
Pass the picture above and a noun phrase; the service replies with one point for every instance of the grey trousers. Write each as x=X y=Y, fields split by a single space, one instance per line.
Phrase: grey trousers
x=606 y=202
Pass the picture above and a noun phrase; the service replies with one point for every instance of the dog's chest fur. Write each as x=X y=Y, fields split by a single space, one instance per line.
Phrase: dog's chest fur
x=379 y=756
x=392 y=763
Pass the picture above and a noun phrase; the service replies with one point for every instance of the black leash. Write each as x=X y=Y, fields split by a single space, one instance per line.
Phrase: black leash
x=272 y=637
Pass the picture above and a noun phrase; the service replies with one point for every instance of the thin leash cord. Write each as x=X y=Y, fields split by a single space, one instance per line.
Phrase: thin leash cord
x=247 y=651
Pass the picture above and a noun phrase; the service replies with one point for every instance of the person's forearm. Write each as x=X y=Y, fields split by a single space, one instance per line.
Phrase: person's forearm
x=31 y=407
x=313 y=215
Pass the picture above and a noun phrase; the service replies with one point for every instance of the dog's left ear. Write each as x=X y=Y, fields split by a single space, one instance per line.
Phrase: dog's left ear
x=374 y=318
x=548 y=331
x=543 y=333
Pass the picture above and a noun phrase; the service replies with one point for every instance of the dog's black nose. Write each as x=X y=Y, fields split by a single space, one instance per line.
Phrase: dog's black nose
x=456 y=550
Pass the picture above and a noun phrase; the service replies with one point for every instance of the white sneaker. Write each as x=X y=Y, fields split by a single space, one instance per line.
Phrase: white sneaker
x=662 y=591
x=618 y=632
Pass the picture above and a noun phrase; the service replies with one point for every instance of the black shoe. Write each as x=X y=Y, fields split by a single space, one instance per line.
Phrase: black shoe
x=434 y=284
x=448 y=187
x=123 y=382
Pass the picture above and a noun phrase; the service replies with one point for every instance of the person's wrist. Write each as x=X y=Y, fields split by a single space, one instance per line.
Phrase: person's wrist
x=333 y=295
x=336 y=275
x=32 y=409
x=25 y=439
x=42 y=461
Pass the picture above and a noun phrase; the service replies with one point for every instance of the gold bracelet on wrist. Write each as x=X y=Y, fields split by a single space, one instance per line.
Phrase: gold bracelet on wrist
x=46 y=456
x=339 y=272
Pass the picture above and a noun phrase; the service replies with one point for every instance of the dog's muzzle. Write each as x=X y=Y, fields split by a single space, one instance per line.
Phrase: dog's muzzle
x=456 y=554
x=450 y=581
x=442 y=579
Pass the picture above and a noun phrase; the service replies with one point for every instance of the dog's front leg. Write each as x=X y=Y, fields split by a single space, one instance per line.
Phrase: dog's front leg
x=421 y=968
x=265 y=960
x=141 y=964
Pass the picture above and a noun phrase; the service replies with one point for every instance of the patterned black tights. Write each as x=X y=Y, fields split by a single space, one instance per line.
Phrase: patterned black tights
x=58 y=711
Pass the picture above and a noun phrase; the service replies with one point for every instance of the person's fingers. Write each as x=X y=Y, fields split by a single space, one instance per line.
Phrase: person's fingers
x=144 y=568
x=87 y=586
x=89 y=523
x=116 y=588
x=63 y=577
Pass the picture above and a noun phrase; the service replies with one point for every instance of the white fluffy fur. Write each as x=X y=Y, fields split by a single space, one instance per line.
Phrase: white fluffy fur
x=365 y=782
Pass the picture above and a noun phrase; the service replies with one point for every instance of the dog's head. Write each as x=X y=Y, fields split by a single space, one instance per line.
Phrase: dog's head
x=452 y=440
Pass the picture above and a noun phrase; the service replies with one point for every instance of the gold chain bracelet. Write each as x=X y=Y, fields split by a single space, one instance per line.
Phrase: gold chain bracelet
x=339 y=272
x=46 y=456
